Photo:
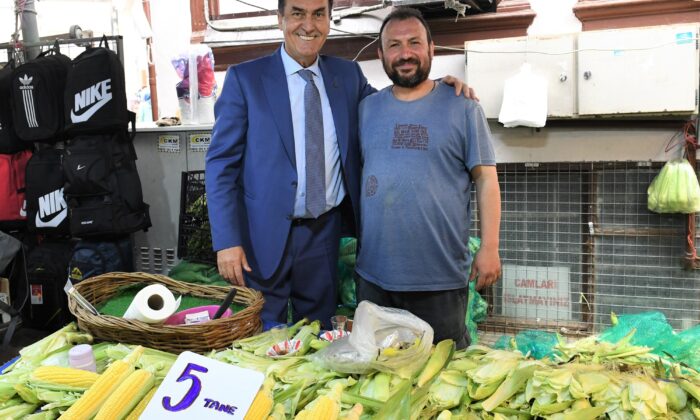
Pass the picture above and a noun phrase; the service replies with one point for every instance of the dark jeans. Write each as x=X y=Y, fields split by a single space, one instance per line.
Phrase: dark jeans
x=444 y=310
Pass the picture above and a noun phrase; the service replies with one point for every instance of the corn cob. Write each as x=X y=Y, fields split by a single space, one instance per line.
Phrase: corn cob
x=62 y=377
x=262 y=404
x=441 y=356
x=141 y=406
x=127 y=395
x=97 y=394
x=325 y=407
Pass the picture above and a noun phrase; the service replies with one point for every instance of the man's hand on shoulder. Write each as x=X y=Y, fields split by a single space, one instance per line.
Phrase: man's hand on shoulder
x=486 y=265
x=461 y=88
x=231 y=263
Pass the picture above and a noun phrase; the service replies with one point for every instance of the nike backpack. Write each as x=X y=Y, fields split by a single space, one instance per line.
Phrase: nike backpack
x=103 y=187
x=47 y=210
x=9 y=142
x=47 y=268
x=95 y=95
x=12 y=188
x=93 y=257
x=37 y=97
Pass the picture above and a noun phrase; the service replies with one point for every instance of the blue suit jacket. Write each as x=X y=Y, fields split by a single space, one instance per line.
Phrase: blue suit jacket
x=251 y=172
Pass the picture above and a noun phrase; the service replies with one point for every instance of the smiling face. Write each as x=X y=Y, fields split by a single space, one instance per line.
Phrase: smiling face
x=405 y=52
x=305 y=24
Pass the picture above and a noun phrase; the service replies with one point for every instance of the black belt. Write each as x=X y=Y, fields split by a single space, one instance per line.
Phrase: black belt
x=301 y=221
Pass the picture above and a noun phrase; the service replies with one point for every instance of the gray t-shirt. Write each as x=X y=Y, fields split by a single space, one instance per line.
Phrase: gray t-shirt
x=415 y=211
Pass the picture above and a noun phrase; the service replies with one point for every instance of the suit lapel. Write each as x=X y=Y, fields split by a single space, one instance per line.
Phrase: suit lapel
x=339 y=105
x=274 y=81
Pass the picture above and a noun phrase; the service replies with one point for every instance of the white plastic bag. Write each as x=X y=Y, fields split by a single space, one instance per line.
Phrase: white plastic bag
x=524 y=99
x=386 y=339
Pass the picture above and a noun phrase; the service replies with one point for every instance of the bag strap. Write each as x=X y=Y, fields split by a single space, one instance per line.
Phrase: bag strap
x=106 y=43
x=15 y=314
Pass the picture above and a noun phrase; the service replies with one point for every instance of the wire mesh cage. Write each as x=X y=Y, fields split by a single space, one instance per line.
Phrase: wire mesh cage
x=577 y=242
x=194 y=234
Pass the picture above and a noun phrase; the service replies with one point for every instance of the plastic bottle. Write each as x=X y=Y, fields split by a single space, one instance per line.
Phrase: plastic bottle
x=81 y=357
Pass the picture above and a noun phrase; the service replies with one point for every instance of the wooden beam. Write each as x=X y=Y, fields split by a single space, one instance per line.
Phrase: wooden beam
x=615 y=14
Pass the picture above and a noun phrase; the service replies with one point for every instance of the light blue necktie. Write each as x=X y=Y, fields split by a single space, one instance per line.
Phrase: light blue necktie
x=315 y=155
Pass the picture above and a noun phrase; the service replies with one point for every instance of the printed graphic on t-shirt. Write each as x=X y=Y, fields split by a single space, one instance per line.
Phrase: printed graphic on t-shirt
x=371 y=186
x=410 y=136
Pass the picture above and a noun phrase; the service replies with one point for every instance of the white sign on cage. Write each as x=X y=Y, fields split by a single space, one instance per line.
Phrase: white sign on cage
x=536 y=292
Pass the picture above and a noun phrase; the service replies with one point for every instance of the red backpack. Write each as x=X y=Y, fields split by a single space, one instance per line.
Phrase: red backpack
x=12 y=203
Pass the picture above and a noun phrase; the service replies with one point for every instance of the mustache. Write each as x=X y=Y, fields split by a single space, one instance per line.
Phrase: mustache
x=407 y=61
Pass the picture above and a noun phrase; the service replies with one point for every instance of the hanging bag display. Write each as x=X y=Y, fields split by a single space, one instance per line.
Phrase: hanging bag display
x=103 y=187
x=9 y=142
x=37 y=93
x=95 y=95
x=12 y=189
x=47 y=210
x=47 y=267
x=91 y=258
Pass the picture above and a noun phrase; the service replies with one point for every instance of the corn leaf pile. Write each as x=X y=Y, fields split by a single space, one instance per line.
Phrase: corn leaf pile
x=586 y=379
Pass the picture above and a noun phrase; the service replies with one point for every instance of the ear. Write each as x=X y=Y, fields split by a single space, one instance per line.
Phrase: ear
x=379 y=53
x=432 y=49
x=280 y=21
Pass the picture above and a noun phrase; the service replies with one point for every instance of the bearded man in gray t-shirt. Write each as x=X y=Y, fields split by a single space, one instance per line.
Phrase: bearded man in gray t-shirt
x=422 y=147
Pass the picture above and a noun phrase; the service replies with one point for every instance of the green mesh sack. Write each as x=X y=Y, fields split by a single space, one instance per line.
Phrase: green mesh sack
x=652 y=329
x=539 y=344
x=477 y=307
x=684 y=347
x=505 y=342
x=346 y=269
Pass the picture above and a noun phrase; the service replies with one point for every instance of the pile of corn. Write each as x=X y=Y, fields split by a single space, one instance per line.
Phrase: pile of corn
x=587 y=379
x=40 y=386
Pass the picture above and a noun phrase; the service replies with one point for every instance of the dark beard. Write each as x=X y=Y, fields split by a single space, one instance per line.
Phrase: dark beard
x=417 y=78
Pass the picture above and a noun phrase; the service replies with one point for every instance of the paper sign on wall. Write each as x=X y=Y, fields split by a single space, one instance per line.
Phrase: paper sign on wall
x=198 y=387
x=536 y=292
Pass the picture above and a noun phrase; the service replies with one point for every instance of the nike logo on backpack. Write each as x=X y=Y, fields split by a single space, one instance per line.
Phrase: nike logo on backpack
x=90 y=100
x=52 y=204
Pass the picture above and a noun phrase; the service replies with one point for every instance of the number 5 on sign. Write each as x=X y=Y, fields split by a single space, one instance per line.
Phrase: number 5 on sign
x=198 y=387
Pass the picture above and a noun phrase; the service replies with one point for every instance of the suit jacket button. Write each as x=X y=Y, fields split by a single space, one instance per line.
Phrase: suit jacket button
x=294 y=184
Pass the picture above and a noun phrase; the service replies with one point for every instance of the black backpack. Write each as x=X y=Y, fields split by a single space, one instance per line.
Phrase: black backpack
x=37 y=97
x=47 y=209
x=103 y=187
x=91 y=258
x=9 y=142
x=47 y=268
x=95 y=95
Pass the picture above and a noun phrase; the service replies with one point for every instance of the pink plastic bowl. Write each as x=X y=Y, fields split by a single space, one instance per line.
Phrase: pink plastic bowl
x=178 y=318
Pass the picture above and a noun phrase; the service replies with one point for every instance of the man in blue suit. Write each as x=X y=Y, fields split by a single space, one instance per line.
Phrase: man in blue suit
x=265 y=232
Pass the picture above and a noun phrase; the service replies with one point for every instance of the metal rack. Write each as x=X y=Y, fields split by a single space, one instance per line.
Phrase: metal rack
x=70 y=47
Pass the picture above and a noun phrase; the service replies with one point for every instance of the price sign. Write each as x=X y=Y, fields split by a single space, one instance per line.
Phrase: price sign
x=200 y=387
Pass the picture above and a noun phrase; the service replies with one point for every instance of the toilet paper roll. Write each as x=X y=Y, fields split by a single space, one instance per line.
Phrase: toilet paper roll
x=153 y=304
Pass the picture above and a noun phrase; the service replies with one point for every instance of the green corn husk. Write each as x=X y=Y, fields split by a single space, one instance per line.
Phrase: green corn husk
x=447 y=390
x=514 y=383
x=676 y=396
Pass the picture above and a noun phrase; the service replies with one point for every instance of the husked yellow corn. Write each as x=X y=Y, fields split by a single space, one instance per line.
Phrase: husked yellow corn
x=136 y=412
x=127 y=395
x=262 y=404
x=64 y=376
x=325 y=407
x=91 y=401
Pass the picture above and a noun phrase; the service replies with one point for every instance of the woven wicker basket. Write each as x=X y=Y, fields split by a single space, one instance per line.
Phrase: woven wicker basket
x=199 y=338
